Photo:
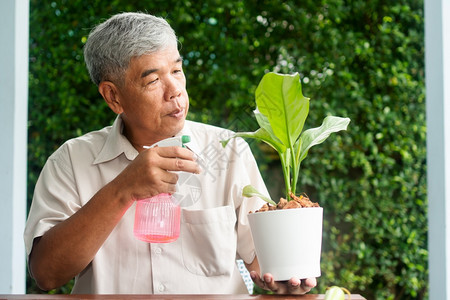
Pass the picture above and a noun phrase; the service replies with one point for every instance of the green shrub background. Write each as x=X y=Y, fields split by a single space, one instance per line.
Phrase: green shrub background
x=358 y=59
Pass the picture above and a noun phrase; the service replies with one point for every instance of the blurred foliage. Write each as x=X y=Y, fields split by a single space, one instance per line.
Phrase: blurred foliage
x=359 y=59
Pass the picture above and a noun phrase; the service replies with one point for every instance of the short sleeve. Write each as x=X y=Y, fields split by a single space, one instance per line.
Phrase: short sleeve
x=55 y=197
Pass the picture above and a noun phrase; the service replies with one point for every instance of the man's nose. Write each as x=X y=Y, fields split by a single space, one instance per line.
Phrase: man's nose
x=173 y=89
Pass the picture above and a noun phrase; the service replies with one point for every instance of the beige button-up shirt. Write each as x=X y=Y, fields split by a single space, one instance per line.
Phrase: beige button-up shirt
x=214 y=228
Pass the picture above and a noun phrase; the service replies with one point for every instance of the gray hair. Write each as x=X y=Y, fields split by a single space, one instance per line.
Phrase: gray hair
x=112 y=44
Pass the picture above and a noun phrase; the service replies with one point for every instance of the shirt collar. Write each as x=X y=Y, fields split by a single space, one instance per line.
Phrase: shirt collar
x=116 y=143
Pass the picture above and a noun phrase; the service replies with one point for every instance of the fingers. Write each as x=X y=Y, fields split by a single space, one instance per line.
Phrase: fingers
x=168 y=177
x=266 y=283
x=305 y=285
x=171 y=188
x=179 y=164
x=257 y=280
x=294 y=286
x=274 y=286
x=179 y=152
x=178 y=159
x=309 y=282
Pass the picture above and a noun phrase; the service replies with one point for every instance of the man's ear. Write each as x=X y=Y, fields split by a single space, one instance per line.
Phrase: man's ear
x=110 y=93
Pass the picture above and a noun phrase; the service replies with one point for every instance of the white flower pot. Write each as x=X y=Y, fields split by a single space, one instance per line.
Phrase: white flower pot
x=288 y=242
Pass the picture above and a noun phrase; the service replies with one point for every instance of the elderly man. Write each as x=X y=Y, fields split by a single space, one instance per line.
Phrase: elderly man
x=81 y=219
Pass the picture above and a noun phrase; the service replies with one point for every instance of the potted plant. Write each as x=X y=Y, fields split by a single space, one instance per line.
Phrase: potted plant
x=287 y=241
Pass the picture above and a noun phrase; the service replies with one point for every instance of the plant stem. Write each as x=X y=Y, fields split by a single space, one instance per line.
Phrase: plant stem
x=284 y=158
x=294 y=171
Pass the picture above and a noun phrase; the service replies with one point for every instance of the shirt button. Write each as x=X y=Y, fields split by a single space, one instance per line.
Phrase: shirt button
x=158 y=250
x=161 y=288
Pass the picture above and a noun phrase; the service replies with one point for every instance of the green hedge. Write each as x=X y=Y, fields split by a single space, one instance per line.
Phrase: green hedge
x=360 y=59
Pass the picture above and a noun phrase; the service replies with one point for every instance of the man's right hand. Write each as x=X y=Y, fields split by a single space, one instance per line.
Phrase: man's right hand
x=151 y=172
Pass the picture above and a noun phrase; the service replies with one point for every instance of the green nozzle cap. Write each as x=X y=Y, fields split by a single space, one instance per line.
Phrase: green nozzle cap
x=185 y=139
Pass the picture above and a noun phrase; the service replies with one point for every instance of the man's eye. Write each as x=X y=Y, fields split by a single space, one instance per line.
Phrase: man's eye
x=153 y=81
x=178 y=71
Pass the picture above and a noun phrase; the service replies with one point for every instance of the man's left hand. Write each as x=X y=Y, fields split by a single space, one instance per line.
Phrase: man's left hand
x=293 y=286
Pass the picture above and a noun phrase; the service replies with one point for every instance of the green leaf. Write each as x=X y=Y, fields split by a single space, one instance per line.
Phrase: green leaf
x=271 y=137
x=279 y=97
x=250 y=191
x=315 y=136
x=260 y=134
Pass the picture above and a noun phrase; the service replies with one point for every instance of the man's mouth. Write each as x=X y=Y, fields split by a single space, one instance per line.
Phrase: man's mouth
x=177 y=113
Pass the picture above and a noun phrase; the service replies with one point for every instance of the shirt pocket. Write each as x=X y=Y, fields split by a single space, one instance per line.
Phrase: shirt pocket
x=208 y=240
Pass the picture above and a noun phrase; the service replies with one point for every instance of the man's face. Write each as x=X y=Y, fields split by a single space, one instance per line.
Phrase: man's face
x=153 y=98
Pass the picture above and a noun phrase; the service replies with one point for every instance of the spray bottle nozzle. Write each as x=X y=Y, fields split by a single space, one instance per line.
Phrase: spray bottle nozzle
x=173 y=141
x=185 y=139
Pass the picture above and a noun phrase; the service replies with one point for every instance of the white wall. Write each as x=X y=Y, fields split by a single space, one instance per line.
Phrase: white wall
x=437 y=74
x=14 y=15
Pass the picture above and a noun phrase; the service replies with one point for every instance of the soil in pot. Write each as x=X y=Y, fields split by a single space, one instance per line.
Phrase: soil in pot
x=295 y=202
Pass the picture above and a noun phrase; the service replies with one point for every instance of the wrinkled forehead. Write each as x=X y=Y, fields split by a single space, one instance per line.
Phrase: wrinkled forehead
x=158 y=61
